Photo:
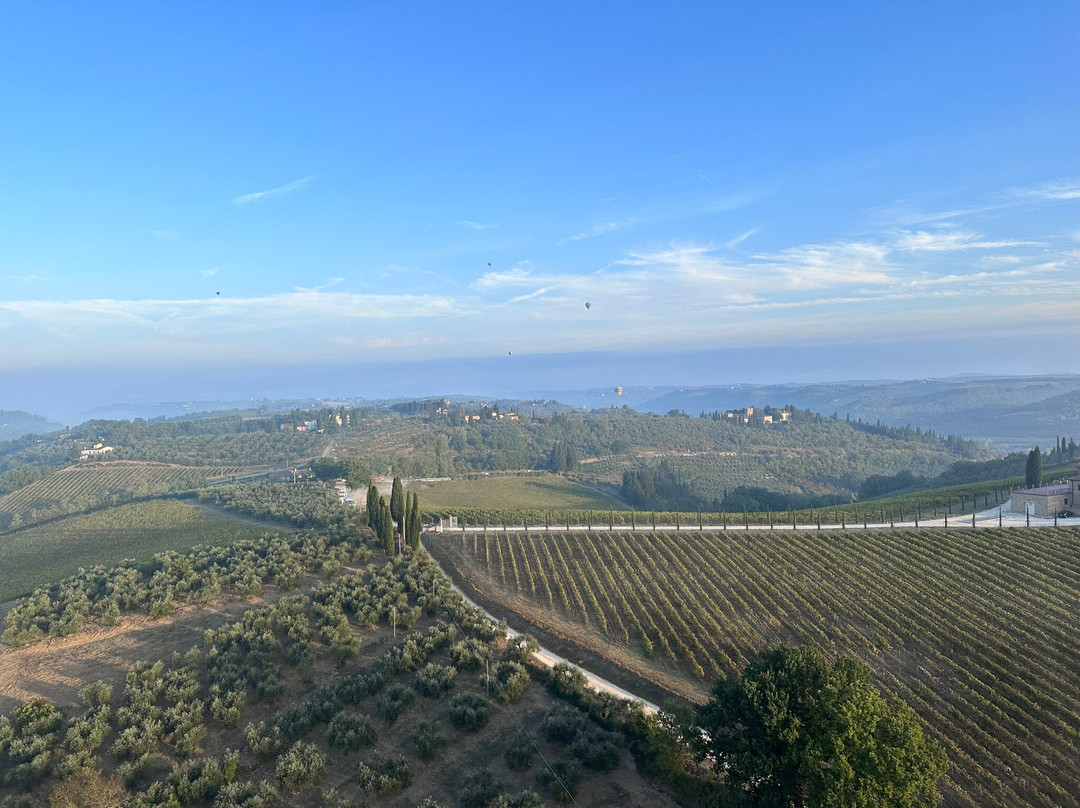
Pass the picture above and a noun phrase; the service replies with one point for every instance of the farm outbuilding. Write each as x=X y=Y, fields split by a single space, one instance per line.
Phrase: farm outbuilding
x=1048 y=500
x=1045 y=501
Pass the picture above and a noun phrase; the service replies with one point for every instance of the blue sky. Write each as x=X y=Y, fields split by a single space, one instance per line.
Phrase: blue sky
x=229 y=185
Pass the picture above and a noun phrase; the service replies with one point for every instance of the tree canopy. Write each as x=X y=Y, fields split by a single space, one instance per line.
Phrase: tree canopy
x=1034 y=468
x=796 y=729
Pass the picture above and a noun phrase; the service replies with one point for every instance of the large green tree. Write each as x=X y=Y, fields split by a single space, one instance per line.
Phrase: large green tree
x=412 y=520
x=384 y=527
x=1034 y=468
x=800 y=731
x=372 y=506
x=397 y=504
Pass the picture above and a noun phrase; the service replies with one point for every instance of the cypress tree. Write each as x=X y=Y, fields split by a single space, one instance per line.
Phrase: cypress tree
x=414 y=523
x=372 y=505
x=397 y=504
x=386 y=527
x=1034 y=468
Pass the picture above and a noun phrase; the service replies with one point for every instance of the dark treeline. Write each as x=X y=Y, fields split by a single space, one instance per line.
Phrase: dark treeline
x=663 y=488
x=354 y=470
x=963 y=472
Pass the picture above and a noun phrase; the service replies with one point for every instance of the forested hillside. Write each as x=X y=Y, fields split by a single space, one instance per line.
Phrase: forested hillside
x=1014 y=411
x=710 y=454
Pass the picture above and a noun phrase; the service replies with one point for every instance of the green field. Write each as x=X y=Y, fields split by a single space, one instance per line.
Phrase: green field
x=545 y=491
x=43 y=555
x=976 y=629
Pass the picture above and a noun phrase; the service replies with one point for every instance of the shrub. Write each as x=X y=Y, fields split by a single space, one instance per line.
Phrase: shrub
x=36 y=717
x=518 y=751
x=525 y=798
x=481 y=787
x=520 y=647
x=351 y=732
x=394 y=701
x=563 y=723
x=565 y=680
x=247 y=795
x=89 y=789
x=509 y=681
x=599 y=750
x=333 y=799
x=383 y=776
x=561 y=780
x=227 y=705
x=434 y=680
x=470 y=654
x=428 y=737
x=264 y=742
x=469 y=711
x=302 y=764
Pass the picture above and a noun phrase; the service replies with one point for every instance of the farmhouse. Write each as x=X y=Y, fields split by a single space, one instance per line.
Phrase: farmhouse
x=98 y=450
x=1047 y=500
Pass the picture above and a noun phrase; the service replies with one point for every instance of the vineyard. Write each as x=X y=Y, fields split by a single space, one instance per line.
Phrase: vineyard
x=81 y=488
x=977 y=630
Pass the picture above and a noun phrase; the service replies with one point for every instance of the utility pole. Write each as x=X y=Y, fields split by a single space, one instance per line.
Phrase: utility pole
x=393 y=620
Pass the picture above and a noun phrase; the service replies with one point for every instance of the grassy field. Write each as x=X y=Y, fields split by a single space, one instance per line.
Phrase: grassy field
x=39 y=556
x=976 y=630
x=80 y=488
x=547 y=491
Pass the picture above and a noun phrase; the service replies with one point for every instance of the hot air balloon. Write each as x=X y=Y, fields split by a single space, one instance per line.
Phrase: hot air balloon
x=588 y=305
x=489 y=263
x=509 y=353
x=618 y=391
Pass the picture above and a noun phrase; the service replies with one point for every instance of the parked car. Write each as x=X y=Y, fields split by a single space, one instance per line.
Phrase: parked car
x=1066 y=514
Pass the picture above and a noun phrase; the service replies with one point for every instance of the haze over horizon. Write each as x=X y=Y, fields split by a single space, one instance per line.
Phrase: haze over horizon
x=212 y=202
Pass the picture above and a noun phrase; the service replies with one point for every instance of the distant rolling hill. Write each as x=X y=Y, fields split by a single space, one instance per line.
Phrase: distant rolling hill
x=16 y=423
x=1011 y=411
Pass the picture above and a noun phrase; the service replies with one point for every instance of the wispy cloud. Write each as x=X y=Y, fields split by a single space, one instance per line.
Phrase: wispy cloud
x=912 y=211
x=468 y=224
x=288 y=188
x=166 y=235
x=735 y=242
x=209 y=273
x=599 y=230
x=290 y=309
x=386 y=342
x=691 y=151
x=523 y=298
x=27 y=278
x=515 y=276
x=1053 y=191
x=948 y=240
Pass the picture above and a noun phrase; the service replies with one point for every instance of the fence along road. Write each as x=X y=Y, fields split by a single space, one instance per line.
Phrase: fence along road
x=998 y=516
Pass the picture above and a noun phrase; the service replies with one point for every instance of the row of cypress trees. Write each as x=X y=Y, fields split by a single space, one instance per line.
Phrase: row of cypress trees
x=400 y=518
